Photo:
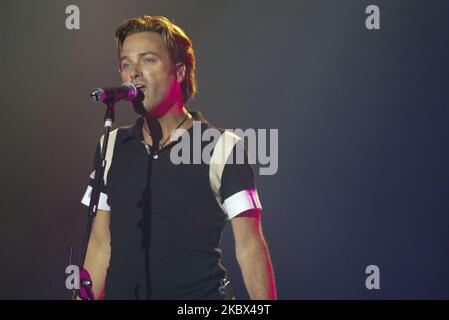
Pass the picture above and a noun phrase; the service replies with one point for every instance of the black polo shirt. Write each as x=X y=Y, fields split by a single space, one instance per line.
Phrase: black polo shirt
x=166 y=224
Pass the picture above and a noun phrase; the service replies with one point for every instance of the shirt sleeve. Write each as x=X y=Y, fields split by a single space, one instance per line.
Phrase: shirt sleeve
x=238 y=185
x=103 y=201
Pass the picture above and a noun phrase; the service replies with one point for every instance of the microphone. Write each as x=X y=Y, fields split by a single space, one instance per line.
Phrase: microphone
x=127 y=91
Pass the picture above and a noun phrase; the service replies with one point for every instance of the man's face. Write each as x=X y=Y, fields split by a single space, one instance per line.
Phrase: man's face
x=145 y=60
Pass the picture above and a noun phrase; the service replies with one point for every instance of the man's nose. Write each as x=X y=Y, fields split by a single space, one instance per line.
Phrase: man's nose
x=135 y=71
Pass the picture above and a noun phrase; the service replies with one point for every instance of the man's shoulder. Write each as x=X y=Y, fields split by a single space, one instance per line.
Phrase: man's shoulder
x=205 y=123
x=130 y=131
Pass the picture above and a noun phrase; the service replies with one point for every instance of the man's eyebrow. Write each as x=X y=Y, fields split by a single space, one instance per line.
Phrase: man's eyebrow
x=140 y=55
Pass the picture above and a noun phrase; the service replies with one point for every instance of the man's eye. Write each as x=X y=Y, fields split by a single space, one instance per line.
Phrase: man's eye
x=125 y=66
x=149 y=60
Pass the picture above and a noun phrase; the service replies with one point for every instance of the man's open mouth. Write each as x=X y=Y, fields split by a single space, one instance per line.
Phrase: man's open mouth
x=141 y=87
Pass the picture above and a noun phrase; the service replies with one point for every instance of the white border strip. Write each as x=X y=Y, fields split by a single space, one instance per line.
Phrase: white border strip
x=241 y=202
x=102 y=203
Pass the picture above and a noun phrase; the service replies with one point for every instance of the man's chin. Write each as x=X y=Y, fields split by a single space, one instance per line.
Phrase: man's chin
x=156 y=112
x=142 y=109
x=152 y=110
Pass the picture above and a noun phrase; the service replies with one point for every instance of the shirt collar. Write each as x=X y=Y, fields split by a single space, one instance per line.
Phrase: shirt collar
x=135 y=131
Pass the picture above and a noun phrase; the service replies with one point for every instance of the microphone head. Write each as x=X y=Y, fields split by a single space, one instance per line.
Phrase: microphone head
x=133 y=92
x=127 y=91
x=96 y=94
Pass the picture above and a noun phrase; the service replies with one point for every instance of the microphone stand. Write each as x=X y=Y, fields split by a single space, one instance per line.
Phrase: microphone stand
x=85 y=291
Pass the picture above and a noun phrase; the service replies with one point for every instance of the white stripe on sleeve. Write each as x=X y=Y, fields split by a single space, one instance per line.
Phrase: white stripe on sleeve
x=102 y=203
x=241 y=202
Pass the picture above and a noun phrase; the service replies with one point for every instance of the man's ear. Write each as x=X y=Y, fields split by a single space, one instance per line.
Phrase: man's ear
x=180 y=72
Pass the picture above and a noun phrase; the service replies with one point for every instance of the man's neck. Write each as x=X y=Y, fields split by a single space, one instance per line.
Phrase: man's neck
x=161 y=127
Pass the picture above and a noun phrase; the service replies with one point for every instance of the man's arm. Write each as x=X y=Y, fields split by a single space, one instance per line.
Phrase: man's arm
x=253 y=256
x=99 y=252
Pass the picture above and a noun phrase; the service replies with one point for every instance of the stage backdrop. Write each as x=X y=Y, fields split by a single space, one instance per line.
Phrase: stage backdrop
x=360 y=101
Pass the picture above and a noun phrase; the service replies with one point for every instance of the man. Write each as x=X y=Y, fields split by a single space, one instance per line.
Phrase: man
x=157 y=232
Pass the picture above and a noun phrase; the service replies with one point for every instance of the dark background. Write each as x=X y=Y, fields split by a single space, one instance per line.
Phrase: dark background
x=363 y=135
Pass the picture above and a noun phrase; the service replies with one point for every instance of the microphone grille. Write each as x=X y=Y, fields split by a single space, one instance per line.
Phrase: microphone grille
x=96 y=94
x=131 y=93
